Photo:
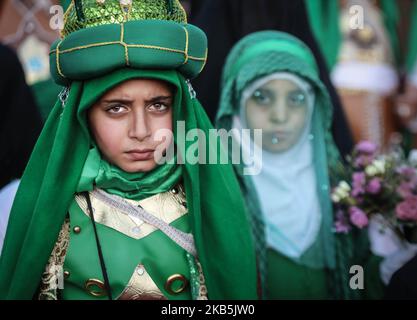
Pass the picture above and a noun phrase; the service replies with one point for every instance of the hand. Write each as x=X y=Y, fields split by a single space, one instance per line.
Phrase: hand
x=406 y=107
x=396 y=260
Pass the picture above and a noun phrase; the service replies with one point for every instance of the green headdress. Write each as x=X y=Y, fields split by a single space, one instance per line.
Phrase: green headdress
x=91 y=61
x=254 y=57
x=102 y=36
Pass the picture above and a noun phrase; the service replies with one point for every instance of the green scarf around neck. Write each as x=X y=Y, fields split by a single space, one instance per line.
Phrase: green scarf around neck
x=135 y=186
x=63 y=162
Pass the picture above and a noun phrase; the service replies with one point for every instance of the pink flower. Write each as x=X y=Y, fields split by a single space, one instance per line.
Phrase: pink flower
x=374 y=186
x=358 y=217
x=363 y=160
x=405 y=189
x=407 y=172
x=366 y=147
x=358 y=183
x=341 y=224
x=407 y=210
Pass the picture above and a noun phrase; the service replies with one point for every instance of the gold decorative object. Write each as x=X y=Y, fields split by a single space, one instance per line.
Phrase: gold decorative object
x=175 y=278
x=89 y=13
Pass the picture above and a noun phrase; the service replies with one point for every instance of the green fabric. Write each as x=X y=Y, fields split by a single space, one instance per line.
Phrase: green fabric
x=374 y=287
x=289 y=280
x=273 y=45
x=411 y=59
x=217 y=212
x=90 y=13
x=46 y=94
x=161 y=258
x=65 y=4
x=391 y=15
x=99 y=50
x=135 y=186
x=324 y=19
x=354 y=249
x=326 y=155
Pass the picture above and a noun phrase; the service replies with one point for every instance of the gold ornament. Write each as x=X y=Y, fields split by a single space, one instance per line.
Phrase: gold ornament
x=89 y=13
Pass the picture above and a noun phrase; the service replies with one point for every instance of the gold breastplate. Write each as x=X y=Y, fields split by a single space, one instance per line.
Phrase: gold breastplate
x=168 y=207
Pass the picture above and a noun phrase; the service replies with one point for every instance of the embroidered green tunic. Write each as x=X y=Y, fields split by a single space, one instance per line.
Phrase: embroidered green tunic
x=141 y=261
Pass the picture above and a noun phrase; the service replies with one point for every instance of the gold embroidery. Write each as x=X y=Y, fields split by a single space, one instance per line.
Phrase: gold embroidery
x=66 y=14
x=92 y=45
x=186 y=46
x=141 y=287
x=167 y=206
x=183 y=11
x=143 y=46
x=58 y=66
x=53 y=275
x=122 y=34
x=202 y=291
x=205 y=61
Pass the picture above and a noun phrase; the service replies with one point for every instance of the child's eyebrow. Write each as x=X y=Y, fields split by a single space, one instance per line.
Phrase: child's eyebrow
x=130 y=101
x=158 y=98
x=120 y=100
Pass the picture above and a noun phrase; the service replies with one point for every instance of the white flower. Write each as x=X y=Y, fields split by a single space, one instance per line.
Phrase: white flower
x=343 y=194
x=335 y=198
x=379 y=165
x=371 y=171
x=413 y=157
x=342 y=190
x=344 y=186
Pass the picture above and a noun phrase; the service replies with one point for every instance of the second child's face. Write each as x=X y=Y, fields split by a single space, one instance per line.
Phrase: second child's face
x=125 y=120
x=280 y=109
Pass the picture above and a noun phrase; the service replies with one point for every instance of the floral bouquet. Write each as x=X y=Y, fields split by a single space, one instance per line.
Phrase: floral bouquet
x=377 y=184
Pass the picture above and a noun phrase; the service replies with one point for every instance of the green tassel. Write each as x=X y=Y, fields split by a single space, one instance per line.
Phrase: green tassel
x=79 y=10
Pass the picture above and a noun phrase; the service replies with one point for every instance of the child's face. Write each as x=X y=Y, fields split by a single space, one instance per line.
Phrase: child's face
x=280 y=109
x=125 y=119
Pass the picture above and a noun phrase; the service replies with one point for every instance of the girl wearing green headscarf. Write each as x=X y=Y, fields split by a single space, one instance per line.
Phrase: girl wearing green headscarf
x=271 y=82
x=96 y=215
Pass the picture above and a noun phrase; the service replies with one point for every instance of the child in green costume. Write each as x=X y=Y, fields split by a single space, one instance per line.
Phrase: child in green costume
x=97 y=215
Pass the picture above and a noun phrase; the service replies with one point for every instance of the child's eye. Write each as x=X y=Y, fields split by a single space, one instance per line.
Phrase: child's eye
x=158 y=107
x=116 y=109
x=260 y=97
x=297 y=98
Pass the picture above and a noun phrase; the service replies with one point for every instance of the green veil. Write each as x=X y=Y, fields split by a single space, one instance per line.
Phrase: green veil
x=217 y=212
x=258 y=55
